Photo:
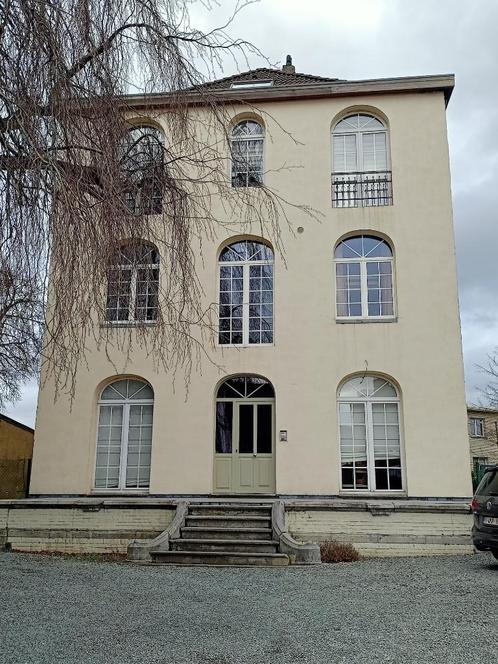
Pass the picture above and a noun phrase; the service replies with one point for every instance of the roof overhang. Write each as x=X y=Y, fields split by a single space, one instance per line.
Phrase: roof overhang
x=443 y=83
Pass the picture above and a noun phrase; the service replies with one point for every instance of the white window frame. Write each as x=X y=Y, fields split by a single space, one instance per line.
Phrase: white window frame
x=359 y=143
x=234 y=139
x=368 y=401
x=246 y=264
x=134 y=269
x=125 y=426
x=362 y=260
x=473 y=422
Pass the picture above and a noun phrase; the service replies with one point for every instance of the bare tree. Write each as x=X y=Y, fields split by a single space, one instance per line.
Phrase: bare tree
x=81 y=171
x=20 y=328
x=490 y=392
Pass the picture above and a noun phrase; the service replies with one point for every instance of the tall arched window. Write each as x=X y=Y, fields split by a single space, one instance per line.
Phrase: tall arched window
x=364 y=278
x=247 y=154
x=133 y=284
x=246 y=294
x=360 y=156
x=124 y=436
x=143 y=160
x=369 y=424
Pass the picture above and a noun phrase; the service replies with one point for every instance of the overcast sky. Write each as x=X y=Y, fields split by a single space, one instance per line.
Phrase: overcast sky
x=357 y=39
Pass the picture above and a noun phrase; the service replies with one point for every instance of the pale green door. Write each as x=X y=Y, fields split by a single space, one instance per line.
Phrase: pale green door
x=244 y=452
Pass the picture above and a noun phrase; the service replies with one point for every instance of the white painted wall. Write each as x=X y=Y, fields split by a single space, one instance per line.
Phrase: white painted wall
x=312 y=353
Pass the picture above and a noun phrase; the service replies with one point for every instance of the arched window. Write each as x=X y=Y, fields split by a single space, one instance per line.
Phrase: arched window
x=133 y=284
x=245 y=387
x=247 y=154
x=360 y=156
x=369 y=424
x=364 y=278
x=124 y=437
x=246 y=294
x=143 y=159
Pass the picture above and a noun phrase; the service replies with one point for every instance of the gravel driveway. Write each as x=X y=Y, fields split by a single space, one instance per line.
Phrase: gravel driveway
x=392 y=610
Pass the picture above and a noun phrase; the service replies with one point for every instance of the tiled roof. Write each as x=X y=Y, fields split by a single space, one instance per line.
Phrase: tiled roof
x=281 y=79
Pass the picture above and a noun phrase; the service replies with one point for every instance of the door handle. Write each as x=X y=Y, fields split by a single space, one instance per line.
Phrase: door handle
x=254 y=454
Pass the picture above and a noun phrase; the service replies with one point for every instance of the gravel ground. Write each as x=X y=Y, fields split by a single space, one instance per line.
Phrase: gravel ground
x=411 y=610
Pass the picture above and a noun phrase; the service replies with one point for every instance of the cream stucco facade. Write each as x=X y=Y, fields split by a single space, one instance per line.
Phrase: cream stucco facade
x=419 y=350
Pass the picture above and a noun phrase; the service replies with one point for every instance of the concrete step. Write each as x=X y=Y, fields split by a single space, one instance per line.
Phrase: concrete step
x=214 y=532
x=224 y=521
x=237 y=545
x=219 y=558
x=229 y=509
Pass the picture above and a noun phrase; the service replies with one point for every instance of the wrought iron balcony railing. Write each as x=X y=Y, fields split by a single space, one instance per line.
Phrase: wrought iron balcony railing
x=366 y=189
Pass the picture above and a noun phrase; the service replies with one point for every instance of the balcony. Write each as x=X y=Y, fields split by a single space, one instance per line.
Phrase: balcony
x=366 y=189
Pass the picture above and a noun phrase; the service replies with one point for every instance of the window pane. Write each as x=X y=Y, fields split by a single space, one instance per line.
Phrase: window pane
x=224 y=416
x=139 y=446
x=345 y=156
x=246 y=429
x=265 y=427
x=108 y=446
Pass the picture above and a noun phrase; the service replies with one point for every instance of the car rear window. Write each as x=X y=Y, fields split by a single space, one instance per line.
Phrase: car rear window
x=489 y=484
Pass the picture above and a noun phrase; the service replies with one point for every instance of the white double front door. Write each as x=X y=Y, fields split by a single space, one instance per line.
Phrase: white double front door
x=244 y=460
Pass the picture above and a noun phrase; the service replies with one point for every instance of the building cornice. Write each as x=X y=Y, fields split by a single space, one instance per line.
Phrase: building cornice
x=434 y=83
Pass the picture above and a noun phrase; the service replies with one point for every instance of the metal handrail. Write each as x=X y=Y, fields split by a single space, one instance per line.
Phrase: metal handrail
x=361 y=189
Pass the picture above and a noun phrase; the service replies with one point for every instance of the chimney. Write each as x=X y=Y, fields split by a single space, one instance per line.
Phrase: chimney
x=289 y=68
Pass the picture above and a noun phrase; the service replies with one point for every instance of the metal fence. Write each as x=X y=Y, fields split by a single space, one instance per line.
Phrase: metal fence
x=366 y=189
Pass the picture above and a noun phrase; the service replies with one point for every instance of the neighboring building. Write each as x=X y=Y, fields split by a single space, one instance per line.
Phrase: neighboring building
x=342 y=366
x=16 y=452
x=483 y=435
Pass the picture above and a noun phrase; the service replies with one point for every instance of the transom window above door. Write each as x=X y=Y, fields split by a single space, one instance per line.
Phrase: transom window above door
x=369 y=424
x=245 y=387
x=124 y=436
x=246 y=294
x=361 y=174
x=364 y=278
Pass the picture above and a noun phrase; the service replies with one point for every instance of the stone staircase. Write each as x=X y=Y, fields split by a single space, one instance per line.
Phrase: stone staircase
x=223 y=534
x=226 y=532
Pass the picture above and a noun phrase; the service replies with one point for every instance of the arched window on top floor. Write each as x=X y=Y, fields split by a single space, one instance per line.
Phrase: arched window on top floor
x=133 y=284
x=247 y=143
x=361 y=171
x=364 y=278
x=369 y=423
x=143 y=166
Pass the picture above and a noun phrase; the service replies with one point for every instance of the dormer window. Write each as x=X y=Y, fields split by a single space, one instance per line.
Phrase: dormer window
x=243 y=85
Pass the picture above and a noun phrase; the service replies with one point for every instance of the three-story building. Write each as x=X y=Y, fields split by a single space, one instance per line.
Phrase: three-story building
x=338 y=363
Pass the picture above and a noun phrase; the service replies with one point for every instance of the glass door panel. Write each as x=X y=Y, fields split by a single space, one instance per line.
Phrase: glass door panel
x=224 y=427
x=264 y=428
x=246 y=428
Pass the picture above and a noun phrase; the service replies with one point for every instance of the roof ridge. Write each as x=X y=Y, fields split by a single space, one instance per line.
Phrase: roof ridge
x=272 y=73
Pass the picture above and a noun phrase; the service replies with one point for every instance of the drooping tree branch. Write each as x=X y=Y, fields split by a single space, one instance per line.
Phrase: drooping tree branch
x=66 y=184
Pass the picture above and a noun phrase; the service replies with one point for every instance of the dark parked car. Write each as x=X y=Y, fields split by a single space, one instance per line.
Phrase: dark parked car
x=485 y=508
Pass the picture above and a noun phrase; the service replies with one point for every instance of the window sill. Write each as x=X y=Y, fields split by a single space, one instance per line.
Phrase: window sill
x=349 y=321
x=350 y=493
x=245 y=346
x=131 y=323
x=119 y=492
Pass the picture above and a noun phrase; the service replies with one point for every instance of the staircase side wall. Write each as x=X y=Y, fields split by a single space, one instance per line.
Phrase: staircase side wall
x=76 y=530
